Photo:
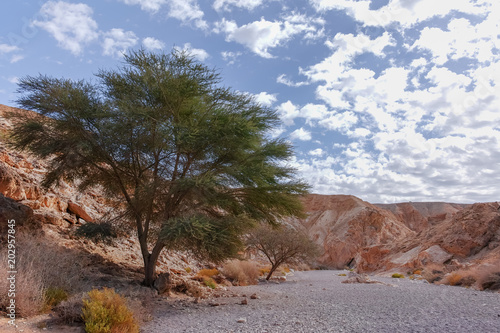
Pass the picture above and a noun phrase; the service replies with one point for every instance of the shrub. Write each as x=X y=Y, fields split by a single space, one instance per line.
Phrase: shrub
x=241 y=272
x=106 y=312
x=188 y=270
x=453 y=279
x=209 y=282
x=208 y=272
x=69 y=311
x=53 y=296
x=36 y=274
x=398 y=276
x=96 y=232
x=417 y=272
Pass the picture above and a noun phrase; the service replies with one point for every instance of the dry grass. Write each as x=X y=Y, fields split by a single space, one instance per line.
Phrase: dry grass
x=241 y=272
x=41 y=267
x=209 y=273
x=453 y=279
x=433 y=273
x=487 y=276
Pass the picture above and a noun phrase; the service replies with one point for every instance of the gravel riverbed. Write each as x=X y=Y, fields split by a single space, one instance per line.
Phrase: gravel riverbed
x=317 y=301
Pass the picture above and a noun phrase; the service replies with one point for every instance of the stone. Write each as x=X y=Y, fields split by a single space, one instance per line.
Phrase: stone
x=254 y=296
x=79 y=212
x=162 y=283
x=244 y=302
x=241 y=320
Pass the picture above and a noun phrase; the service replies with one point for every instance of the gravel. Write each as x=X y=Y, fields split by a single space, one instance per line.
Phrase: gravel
x=317 y=301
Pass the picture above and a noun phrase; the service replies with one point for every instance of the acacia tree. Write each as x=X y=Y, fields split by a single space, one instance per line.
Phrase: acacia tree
x=191 y=160
x=282 y=244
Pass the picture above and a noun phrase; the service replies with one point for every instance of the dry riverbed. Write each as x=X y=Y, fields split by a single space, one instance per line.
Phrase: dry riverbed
x=317 y=301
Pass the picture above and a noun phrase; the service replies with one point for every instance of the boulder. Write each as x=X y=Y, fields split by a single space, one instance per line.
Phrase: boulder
x=75 y=209
x=162 y=283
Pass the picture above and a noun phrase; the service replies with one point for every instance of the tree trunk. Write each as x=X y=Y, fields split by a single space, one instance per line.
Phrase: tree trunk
x=150 y=264
x=273 y=268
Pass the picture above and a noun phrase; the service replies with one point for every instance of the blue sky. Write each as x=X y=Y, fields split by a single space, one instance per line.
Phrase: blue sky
x=387 y=100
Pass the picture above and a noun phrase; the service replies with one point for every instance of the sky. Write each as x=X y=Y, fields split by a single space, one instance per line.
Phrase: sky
x=387 y=100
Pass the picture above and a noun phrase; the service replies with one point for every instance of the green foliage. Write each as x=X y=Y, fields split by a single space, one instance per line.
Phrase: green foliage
x=282 y=244
x=106 y=312
x=398 y=276
x=213 y=239
x=53 y=296
x=209 y=282
x=97 y=232
x=180 y=150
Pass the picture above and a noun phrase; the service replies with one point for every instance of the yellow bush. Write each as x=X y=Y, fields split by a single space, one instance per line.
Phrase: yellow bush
x=398 y=276
x=188 y=269
x=454 y=278
x=106 y=312
x=208 y=272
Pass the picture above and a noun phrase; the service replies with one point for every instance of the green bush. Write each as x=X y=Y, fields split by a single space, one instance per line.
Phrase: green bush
x=53 y=296
x=97 y=232
x=106 y=312
x=209 y=282
x=398 y=276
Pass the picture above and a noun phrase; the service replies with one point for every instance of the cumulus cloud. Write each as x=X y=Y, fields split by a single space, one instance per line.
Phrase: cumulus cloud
x=152 y=44
x=405 y=13
x=187 y=11
x=199 y=54
x=70 y=24
x=6 y=48
x=230 y=57
x=225 y=5
x=117 y=41
x=301 y=134
x=421 y=127
x=265 y=98
x=152 y=6
x=260 y=36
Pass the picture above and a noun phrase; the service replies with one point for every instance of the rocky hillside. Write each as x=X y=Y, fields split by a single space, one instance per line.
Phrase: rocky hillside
x=385 y=237
x=350 y=231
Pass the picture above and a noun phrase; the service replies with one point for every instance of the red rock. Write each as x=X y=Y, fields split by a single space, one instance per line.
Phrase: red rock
x=79 y=212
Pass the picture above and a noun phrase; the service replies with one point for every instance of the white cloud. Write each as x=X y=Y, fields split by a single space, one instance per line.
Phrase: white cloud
x=260 y=36
x=199 y=54
x=316 y=152
x=288 y=112
x=152 y=6
x=287 y=82
x=230 y=57
x=117 y=41
x=225 y=5
x=265 y=98
x=6 y=48
x=301 y=134
x=15 y=58
x=187 y=11
x=152 y=44
x=13 y=79
x=70 y=24
x=460 y=39
x=404 y=12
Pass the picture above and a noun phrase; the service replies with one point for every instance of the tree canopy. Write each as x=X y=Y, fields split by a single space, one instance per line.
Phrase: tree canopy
x=192 y=160
x=282 y=244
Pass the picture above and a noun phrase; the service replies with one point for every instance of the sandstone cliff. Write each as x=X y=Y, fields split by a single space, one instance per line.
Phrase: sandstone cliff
x=343 y=225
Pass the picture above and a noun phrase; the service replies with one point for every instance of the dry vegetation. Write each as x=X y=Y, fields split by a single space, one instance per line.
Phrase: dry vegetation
x=46 y=274
x=241 y=272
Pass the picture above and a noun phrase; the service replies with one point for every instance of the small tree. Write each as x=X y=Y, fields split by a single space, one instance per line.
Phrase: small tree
x=191 y=160
x=282 y=244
